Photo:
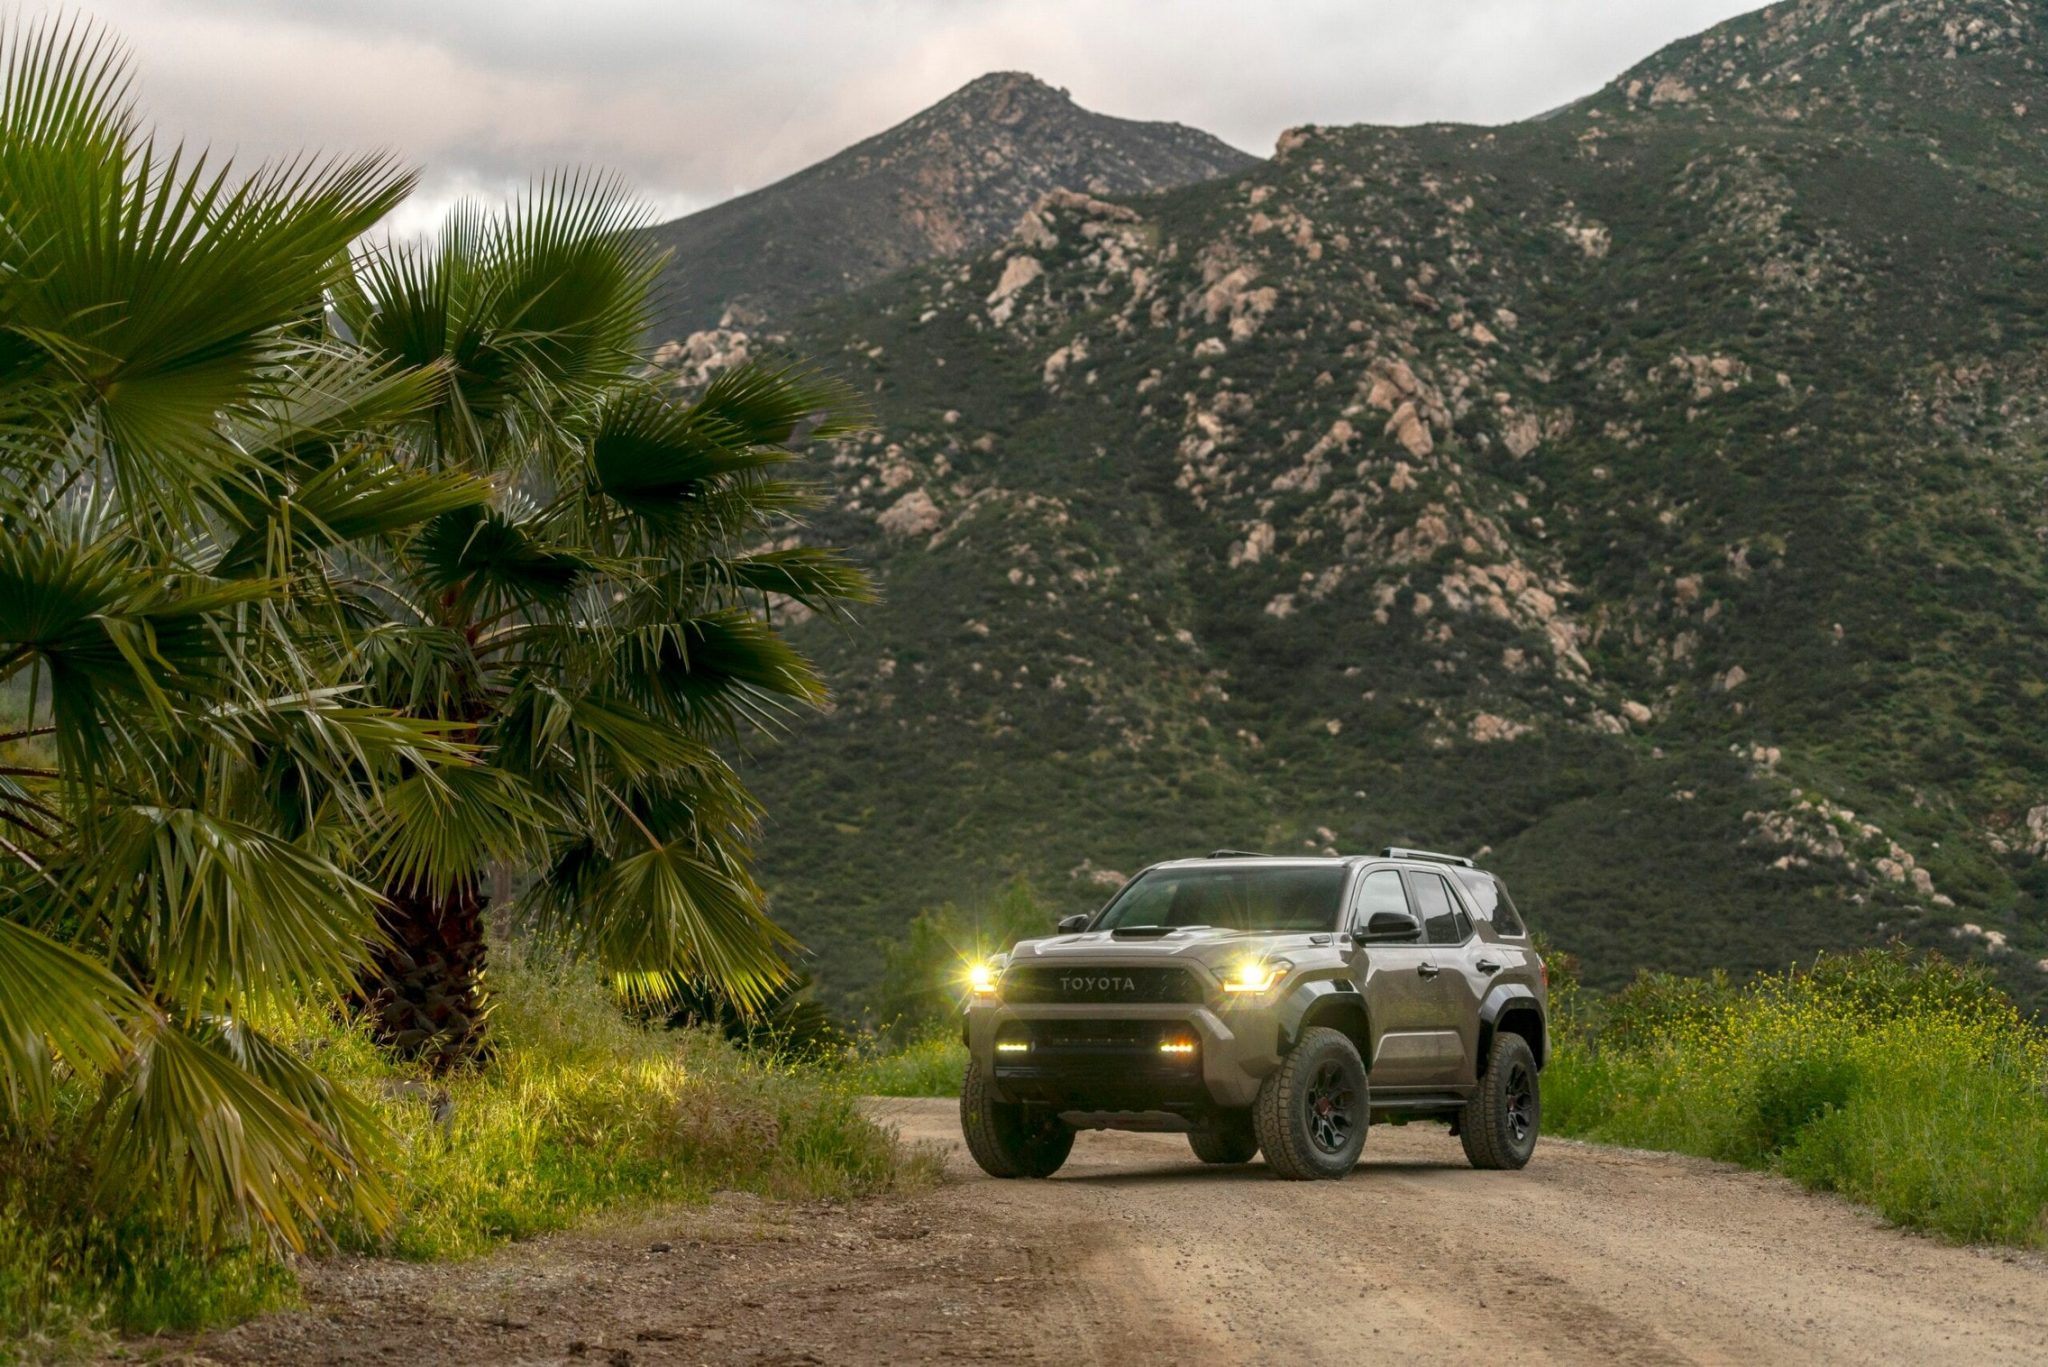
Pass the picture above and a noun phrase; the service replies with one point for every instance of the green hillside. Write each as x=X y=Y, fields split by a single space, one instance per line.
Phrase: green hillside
x=1654 y=496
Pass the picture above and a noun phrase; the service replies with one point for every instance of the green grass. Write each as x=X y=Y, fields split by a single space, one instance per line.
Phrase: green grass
x=581 y=1111
x=929 y=1065
x=1908 y=1085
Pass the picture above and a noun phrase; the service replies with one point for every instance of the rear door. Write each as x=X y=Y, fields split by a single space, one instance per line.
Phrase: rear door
x=1405 y=995
x=1448 y=929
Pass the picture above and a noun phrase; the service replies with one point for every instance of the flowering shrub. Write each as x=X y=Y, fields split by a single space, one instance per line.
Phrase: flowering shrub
x=1906 y=1082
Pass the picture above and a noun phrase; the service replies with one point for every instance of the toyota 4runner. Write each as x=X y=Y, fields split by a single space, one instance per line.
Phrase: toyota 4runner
x=1267 y=1004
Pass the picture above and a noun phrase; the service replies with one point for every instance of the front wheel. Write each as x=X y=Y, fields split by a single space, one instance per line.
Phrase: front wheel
x=1009 y=1140
x=1498 y=1125
x=1311 y=1114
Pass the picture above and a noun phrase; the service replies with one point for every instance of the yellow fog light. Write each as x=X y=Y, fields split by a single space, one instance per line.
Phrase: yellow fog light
x=1177 y=1046
x=1255 y=975
x=1012 y=1046
x=981 y=979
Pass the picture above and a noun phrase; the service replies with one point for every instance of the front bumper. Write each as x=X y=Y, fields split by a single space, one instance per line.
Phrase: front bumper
x=1096 y=1058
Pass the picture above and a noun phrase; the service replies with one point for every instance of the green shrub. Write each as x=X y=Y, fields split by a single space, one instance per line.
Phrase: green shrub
x=582 y=1110
x=1902 y=1081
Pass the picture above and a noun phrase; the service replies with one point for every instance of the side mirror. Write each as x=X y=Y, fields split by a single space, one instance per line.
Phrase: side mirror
x=1070 y=925
x=1391 y=927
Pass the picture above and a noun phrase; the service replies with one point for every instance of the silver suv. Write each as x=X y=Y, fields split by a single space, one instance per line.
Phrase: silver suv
x=1265 y=1004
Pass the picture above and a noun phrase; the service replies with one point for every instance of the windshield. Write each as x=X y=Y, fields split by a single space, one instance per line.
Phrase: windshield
x=1277 y=898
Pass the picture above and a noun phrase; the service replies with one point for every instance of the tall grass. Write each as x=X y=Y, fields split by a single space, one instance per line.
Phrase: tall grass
x=929 y=1064
x=1906 y=1083
x=580 y=1111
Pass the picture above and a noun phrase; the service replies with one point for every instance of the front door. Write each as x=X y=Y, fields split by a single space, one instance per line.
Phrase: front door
x=1406 y=996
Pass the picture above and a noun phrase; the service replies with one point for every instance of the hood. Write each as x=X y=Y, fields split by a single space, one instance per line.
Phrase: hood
x=1201 y=944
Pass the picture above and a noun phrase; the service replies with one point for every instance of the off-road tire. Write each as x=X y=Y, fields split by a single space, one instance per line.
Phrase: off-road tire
x=1229 y=1140
x=1294 y=1134
x=1007 y=1139
x=1499 y=1124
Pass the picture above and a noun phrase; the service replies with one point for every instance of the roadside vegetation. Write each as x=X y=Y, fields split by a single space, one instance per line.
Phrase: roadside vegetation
x=1903 y=1081
x=582 y=1111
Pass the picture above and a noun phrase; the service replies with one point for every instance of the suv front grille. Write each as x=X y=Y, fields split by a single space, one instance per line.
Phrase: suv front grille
x=1101 y=1065
x=1038 y=984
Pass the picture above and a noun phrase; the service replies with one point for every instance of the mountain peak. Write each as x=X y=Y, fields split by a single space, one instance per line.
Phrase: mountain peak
x=949 y=179
x=1000 y=87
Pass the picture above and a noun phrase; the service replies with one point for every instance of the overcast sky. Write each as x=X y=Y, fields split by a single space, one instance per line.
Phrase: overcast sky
x=695 y=101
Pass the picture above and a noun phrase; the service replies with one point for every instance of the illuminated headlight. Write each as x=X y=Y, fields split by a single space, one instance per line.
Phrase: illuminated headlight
x=1177 y=1048
x=1255 y=975
x=1013 y=1046
x=983 y=977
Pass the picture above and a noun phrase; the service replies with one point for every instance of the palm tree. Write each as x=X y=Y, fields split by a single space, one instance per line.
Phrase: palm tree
x=192 y=782
x=597 y=627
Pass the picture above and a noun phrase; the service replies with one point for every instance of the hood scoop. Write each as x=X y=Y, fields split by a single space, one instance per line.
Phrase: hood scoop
x=1150 y=932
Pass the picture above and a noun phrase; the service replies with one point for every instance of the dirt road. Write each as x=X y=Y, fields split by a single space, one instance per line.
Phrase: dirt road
x=1135 y=1254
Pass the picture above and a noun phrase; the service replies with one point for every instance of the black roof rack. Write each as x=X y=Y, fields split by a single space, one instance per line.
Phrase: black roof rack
x=1237 y=854
x=1396 y=852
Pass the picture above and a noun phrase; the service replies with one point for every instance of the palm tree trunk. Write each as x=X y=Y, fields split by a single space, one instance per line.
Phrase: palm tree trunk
x=424 y=987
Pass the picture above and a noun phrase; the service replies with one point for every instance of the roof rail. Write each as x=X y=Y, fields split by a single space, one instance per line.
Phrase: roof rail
x=1237 y=854
x=1396 y=852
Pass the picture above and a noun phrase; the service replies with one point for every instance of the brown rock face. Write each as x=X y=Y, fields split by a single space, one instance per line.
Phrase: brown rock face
x=952 y=179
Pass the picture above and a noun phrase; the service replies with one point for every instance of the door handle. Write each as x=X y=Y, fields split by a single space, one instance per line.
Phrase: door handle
x=1428 y=970
x=1487 y=966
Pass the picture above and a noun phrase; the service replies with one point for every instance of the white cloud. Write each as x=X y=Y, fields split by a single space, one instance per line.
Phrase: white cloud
x=695 y=101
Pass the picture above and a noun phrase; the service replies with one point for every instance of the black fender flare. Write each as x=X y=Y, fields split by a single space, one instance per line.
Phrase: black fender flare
x=1306 y=997
x=1503 y=998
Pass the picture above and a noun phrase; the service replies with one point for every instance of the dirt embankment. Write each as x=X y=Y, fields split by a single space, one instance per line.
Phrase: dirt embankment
x=1136 y=1254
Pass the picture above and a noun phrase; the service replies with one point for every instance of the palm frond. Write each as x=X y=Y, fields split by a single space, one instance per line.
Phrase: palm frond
x=484 y=562
x=442 y=827
x=55 y=1003
x=110 y=635
x=648 y=453
x=228 y=915
x=359 y=497
x=195 y=1130
x=63 y=83
x=763 y=405
x=671 y=913
x=710 y=674
x=822 y=580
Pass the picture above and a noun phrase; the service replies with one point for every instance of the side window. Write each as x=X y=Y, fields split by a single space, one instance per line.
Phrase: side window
x=1488 y=898
x=1506 y=919
x=1443 y=923
x=1380 y=891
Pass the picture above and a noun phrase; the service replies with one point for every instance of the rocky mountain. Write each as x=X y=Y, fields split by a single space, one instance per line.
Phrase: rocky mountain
x=1653 y=496
x=952 y=179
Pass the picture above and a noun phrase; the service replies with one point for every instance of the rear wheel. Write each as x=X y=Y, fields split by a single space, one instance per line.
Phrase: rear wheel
x=1008 y=1139
x=1311 y=1114
x=1499 y=1124
x=1229 y=1139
